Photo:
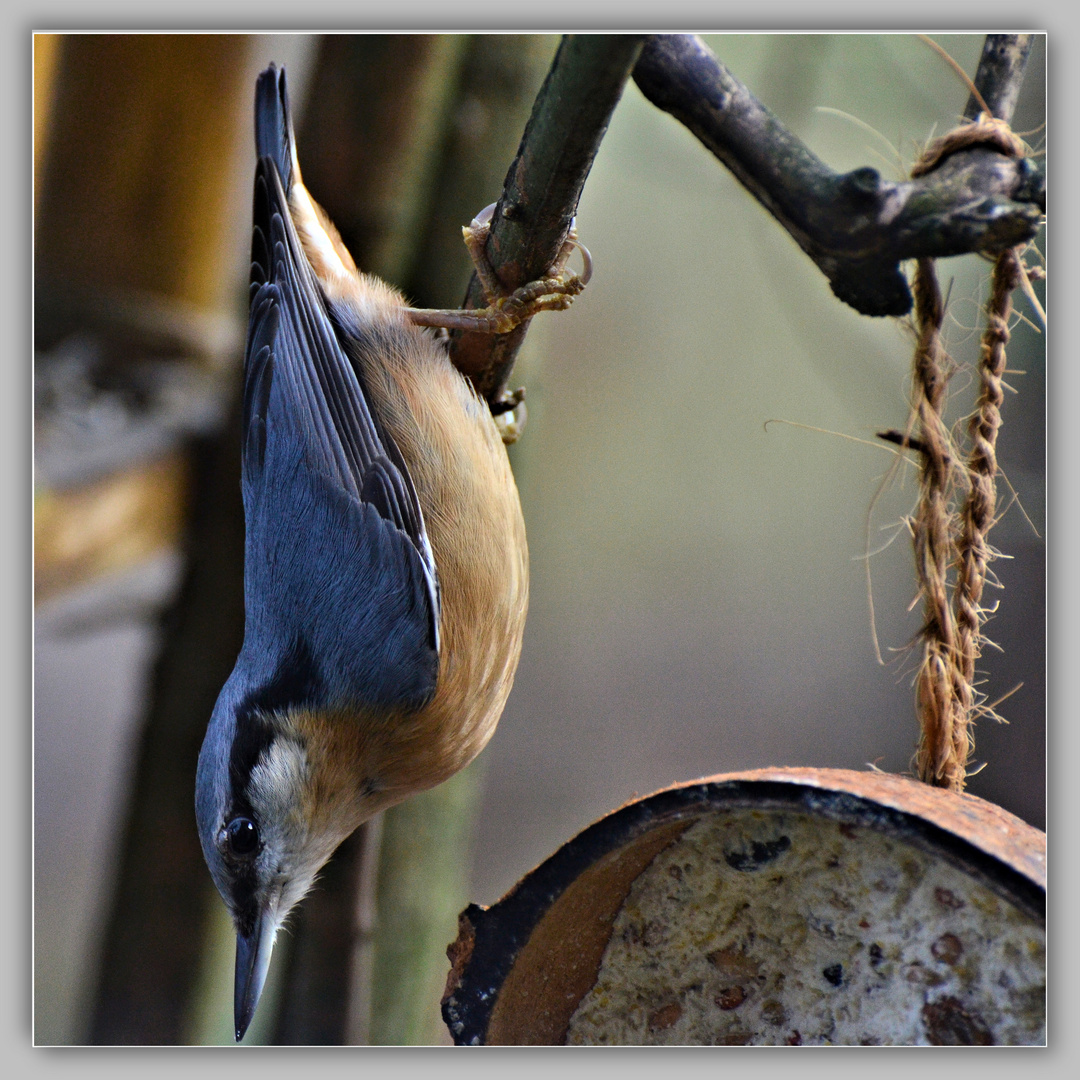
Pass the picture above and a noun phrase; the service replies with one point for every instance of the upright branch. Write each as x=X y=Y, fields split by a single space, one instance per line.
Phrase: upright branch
x=539 y=200
x=999 y=76
x=856 y=226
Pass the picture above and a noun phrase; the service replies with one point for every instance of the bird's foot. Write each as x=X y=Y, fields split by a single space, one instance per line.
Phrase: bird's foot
x=506 y=311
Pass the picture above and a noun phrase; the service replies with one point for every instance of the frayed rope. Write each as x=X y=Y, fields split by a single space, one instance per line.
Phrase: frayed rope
x=950 y=540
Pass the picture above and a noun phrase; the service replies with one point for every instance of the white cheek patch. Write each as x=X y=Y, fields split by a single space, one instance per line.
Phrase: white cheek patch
x=277 y=785
x=292 y=855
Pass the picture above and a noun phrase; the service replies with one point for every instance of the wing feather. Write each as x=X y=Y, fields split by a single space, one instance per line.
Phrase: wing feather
x=305 y=411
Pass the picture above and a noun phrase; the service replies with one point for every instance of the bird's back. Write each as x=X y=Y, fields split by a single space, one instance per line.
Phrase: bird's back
x=386 y=530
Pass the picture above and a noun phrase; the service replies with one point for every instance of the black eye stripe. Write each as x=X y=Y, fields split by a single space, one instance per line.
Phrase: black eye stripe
x=253 y=737
x=242 y=894
x=243 y=875
x=295 y=682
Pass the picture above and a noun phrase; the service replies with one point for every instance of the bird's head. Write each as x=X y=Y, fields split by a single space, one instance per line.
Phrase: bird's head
x=271 y=808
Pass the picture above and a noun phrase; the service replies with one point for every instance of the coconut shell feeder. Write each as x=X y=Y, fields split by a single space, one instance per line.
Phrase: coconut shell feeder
x=777 y=906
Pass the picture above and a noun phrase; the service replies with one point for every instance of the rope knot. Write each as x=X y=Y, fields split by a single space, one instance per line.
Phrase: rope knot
x=984 y=130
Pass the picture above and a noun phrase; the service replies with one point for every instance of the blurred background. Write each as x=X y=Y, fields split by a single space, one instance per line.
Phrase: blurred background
x=708 y=510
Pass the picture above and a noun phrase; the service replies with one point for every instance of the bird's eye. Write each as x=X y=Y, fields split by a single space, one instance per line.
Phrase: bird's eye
x=242 y=836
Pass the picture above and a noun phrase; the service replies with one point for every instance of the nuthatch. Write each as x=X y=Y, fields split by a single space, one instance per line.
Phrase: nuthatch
x=386 y=572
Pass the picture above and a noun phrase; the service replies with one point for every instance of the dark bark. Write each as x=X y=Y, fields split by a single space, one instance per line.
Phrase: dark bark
x=1000 y=75
x=543 y=185
x=856 y=226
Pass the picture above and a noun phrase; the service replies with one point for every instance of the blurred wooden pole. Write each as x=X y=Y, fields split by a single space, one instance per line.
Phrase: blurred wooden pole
x=46 y=62
x=156 y=928
x=133 y=200
x=371 y=138
x=143 y=130
x=422 y=884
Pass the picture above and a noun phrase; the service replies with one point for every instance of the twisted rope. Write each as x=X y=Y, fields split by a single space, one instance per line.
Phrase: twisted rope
x=941 y=711
x=945 y=539
x=979 y=511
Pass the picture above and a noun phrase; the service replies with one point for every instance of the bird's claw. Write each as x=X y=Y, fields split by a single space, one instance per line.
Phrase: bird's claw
x=507 y=311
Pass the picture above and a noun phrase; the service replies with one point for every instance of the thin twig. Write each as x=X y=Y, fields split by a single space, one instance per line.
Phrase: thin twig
x=1000 y=75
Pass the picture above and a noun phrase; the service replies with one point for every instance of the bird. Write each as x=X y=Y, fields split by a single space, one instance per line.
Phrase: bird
x=385 y=562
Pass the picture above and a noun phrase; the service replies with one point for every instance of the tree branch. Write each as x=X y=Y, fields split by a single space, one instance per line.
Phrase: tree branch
x=1000 y=74
x=856 y=226
x=542 y=188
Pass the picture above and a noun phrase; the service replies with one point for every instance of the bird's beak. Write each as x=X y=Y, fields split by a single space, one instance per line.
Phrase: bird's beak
x=252 y=962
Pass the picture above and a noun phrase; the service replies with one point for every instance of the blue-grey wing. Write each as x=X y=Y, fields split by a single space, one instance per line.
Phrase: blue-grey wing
x=339 y=572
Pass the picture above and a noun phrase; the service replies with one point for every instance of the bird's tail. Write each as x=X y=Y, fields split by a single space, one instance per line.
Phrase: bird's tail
x=274 y=136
